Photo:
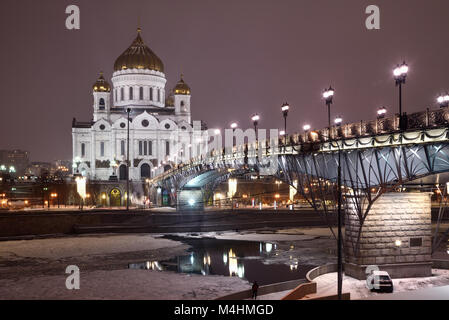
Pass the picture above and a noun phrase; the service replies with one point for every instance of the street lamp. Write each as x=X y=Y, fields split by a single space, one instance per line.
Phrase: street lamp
x=127 y=164
x=400 y=74
x=443 y=100
x=233 y=126
x=339 y=218
x=381 y=112
x=255 y=118
x=338 y=120
x=285 y=107
x=328 y=96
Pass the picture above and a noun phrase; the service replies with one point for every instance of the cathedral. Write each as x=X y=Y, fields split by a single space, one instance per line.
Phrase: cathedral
x=160 y=134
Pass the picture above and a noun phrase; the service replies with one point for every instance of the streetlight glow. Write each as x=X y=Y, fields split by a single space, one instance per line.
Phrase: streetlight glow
x=443 y=100
x=328 y=93
x=306 y=127
x=338 y=120
x=255 y=118
x=234 y=125
x=381 y=111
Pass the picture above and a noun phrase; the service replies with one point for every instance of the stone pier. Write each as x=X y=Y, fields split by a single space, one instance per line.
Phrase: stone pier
x=396 y=236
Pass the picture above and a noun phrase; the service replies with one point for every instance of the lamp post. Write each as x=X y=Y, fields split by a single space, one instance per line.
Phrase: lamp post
x=306 y=129
x=127 y=163
x=338 y=120
x=328 y=96
x=255 y=118
x=339 y=218
x=381 y=112
x=233 y=126
x=285 y=107
x=443 y=100
x=400 y=74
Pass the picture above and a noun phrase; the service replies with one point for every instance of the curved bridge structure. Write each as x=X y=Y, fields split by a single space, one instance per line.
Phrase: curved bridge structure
x=373 y=155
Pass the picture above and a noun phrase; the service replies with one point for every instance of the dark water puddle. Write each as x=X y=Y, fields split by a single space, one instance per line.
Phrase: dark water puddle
x=243 y=259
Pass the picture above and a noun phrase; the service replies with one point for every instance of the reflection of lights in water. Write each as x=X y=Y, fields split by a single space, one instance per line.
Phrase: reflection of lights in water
x=206 y=259
x=203 y=272
x=232 y=263
x=234 y=267
x=241 y=271
x=149 y=265
x=225 y=258
x=260 y=247
x=292 y=247
x=293 y=267
x=268 y=247
x=191 y=258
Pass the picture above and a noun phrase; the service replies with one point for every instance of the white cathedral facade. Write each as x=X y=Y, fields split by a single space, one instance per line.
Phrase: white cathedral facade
x=161 y=131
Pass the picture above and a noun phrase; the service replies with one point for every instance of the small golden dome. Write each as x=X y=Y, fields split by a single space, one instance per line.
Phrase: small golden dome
x=101 y=85
x=181 y=87
x=138 y=56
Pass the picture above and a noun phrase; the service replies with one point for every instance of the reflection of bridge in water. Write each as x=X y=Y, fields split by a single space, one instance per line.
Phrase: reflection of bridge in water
x=376 y=158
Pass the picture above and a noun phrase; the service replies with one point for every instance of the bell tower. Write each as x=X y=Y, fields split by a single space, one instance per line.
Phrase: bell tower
x=182 y=97
x=101 y=93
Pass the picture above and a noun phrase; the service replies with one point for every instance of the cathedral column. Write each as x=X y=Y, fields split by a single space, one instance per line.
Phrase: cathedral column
x=131 y=153
x=93 y=154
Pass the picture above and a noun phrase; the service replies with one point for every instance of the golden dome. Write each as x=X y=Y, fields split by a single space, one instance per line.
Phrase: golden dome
x=138 y=56
x=101 y=85
x=181 y=87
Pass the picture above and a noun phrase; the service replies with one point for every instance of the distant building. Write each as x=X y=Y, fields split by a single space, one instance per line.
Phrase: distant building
x=14 y=162
x=39 y=168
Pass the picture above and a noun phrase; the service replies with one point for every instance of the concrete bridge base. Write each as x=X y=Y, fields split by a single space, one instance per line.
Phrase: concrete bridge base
x=191 y=199
x=396 y=237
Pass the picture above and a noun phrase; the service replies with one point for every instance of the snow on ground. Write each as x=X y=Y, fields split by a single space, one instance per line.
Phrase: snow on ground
x=123 y=284
x=82 y=245
x=327 y=284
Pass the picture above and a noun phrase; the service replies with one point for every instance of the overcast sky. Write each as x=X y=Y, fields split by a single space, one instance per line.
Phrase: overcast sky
x=238 y=56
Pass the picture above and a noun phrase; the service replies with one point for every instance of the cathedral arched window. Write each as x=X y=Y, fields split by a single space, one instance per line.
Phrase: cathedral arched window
x=101 y=104
x=141 y=93
x=131 y=91
x=159 y=95
x=83 y=150
x=122 y=147
x=151 y=94
x=145 y=171
x=182 y=103
x=167 y=148
x=115 y=95
x=122 y=94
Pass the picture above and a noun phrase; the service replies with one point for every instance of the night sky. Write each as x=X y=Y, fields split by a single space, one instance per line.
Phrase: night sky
x=238 y=56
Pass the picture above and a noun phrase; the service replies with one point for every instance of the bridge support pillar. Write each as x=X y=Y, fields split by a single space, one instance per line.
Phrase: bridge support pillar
x=190 y=199
x=396 y=237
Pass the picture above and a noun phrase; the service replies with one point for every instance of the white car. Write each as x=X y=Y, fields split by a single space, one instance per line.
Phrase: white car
x=381 y=282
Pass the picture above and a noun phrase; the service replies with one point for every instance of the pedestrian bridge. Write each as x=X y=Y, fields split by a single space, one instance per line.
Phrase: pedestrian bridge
x=374 y=156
